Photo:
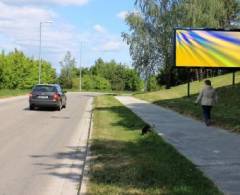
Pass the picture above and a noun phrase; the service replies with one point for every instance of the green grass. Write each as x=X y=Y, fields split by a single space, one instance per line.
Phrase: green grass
x=103 y=91
x=13 y=92
x=124 y=162
x=225 y=114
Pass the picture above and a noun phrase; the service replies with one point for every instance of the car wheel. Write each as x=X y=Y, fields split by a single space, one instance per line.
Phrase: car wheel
x=31 y=107
x=65 y=105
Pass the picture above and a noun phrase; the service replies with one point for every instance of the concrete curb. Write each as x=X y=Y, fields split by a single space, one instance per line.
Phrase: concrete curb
x=86 y=167
x=80 y=140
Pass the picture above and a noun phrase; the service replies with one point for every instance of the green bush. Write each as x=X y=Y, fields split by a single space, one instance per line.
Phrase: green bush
x=152 y=84
x=17 y=71
x=95 y=82
x=75 y=83
x=132 y=81
x=120 y=76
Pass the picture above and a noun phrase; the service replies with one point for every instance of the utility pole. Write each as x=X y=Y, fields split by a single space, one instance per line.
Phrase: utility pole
x=40 y=55
x=80 y=68
x=40 y=50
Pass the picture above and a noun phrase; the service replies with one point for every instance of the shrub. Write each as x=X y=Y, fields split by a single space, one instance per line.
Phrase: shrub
x=95 y=82
x=152 y=84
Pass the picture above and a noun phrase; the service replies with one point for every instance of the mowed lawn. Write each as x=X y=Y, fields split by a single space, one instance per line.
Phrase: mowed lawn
x=124 y=162
x=13 y=92
x=225 y=114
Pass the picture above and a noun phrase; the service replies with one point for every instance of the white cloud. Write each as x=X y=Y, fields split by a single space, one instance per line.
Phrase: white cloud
x=122 y=15
x=20 y=23
x=105 y=41
x=111 y=46
x=19 y=28
x=14 y=13
x=99 y=29
x=46 y=2
x=68 y=2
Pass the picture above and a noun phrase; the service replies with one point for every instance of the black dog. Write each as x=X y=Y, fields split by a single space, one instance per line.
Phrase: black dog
x=147 y=128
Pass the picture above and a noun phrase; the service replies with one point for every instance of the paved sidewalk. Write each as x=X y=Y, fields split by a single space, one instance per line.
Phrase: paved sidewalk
x=215 y=151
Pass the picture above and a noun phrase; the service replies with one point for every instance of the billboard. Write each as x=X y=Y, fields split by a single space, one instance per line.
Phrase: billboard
x=207 y=48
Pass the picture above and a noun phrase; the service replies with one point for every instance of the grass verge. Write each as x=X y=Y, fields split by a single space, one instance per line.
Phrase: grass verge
x=225 y=113
x=127 y=163
x=13 y=92
x=103 y=91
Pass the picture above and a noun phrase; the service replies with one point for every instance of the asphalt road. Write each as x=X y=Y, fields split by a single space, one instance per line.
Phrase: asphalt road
x=37 y=148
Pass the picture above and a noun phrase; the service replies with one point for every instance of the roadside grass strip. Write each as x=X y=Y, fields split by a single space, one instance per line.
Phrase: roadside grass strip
x=13 y=92
x=124 y=162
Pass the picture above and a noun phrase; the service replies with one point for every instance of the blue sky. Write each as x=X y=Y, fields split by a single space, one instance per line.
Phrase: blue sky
x=97 y=24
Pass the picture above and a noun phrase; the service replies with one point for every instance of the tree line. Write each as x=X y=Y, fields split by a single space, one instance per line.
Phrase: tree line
x=151 y=33
x=17 y=71
x=150 y=41
x=101 y=76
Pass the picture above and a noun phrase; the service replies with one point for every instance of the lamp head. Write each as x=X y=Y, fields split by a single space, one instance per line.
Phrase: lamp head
x=47 y=22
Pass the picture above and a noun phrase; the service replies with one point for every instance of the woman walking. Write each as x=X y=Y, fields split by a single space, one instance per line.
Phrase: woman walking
x=207 y=98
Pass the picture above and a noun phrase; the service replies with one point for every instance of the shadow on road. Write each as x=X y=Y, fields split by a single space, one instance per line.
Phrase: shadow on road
x=41 y=109
x=65 y=165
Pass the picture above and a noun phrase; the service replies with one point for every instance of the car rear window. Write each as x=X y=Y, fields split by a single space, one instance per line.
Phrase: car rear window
x=46 y=88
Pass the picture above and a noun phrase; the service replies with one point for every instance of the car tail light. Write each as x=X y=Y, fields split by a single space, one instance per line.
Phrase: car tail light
x=56 y=97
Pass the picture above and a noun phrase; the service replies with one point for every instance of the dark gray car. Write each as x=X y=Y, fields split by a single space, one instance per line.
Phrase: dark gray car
x=47 y=96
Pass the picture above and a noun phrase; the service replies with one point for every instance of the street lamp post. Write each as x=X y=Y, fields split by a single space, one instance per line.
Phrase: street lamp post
x=40 y=50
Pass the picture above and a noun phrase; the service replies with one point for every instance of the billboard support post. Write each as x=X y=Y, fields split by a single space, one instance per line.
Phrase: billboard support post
x=233 y=78
x=188 y=84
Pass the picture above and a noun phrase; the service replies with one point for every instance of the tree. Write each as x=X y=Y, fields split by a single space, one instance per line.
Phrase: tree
x=151 y=30
x=119 y=76
x=150 y=39
x=101 y=76
x=68 y=71
x=17 y=71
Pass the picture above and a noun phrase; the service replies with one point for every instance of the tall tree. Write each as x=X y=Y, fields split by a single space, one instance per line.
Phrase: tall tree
x=68 y=70
x=151 y=29
x=150 y=39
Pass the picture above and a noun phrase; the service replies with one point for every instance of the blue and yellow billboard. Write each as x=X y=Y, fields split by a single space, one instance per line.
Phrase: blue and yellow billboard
x=207 y=48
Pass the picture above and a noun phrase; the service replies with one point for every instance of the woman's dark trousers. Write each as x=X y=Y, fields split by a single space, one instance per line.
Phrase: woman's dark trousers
x=207 y=114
